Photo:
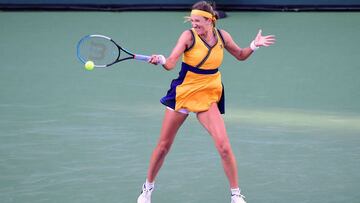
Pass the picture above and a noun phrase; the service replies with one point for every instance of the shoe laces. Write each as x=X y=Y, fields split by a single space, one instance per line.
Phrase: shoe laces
x=146 y=190
x=239 y=195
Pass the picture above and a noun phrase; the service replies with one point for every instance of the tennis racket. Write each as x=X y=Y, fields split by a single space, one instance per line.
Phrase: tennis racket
x=104 y=52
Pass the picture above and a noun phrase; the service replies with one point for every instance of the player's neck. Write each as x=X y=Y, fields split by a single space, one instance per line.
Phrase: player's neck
x=209 y=37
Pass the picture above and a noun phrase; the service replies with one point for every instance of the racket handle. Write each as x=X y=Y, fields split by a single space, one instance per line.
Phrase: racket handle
x=142 y=57
x=147 y=58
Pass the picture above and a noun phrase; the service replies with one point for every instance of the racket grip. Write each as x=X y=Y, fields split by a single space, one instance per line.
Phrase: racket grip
x=142 y=57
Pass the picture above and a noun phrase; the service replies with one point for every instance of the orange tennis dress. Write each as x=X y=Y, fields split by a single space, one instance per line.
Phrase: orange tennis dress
x=199 y=82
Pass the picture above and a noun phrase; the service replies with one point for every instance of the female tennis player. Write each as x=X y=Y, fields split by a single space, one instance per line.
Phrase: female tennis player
x=199 y=89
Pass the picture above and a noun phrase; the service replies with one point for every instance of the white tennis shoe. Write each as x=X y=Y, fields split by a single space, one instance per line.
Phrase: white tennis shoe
x=145 y=196
x=238 y=199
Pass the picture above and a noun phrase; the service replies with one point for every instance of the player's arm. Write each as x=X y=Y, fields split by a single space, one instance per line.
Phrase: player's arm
x=244 y=53
x=239 y=53
x=183 y=42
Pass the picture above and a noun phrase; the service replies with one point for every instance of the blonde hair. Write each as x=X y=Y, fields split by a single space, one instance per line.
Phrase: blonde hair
x=204 y=6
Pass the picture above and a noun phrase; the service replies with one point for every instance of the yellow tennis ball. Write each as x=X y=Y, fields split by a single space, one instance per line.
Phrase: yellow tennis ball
x=89 y=65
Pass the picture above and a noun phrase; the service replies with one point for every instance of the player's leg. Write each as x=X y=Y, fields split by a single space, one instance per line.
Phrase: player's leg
x=214 y=124
x=171 y=124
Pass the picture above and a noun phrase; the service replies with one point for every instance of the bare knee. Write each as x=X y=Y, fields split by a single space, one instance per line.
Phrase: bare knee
x=163 y=147
x=225 y=150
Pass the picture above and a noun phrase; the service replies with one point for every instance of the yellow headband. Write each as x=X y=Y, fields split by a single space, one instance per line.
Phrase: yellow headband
x=203 y=14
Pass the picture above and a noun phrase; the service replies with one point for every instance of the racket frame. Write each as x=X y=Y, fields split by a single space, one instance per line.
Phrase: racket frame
x=131 y=55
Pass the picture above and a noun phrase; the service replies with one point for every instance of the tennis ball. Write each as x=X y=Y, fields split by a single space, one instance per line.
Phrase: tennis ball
x=89 y=65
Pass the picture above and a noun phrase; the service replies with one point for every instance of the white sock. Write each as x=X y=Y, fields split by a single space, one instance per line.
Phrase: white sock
x=235 y=191
x=149 y=185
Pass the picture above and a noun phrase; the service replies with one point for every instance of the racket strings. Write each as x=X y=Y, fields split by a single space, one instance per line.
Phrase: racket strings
x=99 y=50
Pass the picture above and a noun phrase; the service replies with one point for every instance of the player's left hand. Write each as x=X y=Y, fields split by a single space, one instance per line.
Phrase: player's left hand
x=264 y=40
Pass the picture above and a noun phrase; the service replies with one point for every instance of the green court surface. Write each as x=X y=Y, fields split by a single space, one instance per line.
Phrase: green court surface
x=71 y=135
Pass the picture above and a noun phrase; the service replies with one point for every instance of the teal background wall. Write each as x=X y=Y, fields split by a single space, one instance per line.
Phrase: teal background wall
x=189 y=2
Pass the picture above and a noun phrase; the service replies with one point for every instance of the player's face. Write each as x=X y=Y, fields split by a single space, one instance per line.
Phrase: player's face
x=200 y=24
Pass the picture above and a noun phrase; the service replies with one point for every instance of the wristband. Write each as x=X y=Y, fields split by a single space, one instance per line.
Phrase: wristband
x=162 y=59
x=253 y=46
